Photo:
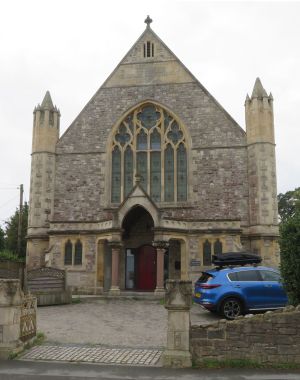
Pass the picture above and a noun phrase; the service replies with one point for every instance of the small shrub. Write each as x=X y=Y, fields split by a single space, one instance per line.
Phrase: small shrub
x=76 y=300
x=290 y=257
x=10 y=256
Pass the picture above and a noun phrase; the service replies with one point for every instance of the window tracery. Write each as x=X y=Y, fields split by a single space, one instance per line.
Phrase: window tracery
x=149 y=142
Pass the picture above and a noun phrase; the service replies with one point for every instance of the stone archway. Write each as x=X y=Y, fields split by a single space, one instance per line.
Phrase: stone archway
x=140 y=259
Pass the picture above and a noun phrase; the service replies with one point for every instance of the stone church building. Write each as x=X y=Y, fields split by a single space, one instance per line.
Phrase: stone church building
x=151 y=179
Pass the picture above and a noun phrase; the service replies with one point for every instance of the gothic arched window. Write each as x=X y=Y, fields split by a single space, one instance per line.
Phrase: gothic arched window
x=217 y=247
x=68 y=253
x=207 y=253
x=150 y=143
x=78 y=253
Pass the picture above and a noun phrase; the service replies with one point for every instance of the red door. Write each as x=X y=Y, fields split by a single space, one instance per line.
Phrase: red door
x=146 y=268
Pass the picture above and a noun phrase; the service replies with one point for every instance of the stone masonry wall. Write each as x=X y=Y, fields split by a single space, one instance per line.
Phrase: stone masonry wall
x=270 y=338
x=262 y=185
x=218 y=151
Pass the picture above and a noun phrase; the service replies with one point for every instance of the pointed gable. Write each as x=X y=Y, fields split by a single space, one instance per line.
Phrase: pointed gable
x=138 y=196
x=149 y=61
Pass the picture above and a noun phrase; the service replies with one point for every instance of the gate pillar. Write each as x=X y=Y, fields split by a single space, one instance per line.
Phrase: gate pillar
x=17 y=317
x=178 y=302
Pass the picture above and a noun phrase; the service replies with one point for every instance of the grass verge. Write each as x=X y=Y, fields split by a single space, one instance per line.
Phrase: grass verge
x=37 y=341
x=76 y=300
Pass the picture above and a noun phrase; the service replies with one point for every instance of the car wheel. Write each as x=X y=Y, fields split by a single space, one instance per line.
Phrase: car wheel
x=231 y=308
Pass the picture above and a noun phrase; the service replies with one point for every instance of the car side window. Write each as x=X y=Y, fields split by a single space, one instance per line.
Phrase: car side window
x=233 y=276
x=248 y=275
x=268 y=275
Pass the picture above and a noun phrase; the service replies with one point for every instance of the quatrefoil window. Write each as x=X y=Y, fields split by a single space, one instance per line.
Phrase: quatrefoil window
x=175 y=133
x=123 y=136
x=149 y=116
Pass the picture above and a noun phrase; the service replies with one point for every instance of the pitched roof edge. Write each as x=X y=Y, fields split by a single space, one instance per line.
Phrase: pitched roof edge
x=185 y=68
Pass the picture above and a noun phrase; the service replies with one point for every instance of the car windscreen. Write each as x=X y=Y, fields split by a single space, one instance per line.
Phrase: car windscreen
x=205 y=277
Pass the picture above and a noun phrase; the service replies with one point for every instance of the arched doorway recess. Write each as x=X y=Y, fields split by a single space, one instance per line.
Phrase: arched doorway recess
x=140 y=256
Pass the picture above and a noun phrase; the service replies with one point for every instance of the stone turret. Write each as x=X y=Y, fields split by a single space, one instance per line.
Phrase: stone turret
x=263 y=209
x=44 y=139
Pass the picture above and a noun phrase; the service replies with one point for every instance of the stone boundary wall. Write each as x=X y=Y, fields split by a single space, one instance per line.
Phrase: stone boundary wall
x=270 y=338
x=11 y=269
x=17 y=317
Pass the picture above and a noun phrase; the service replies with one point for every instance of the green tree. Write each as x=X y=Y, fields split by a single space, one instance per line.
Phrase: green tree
x=290 y=257
x=11 y=232
x=2 y=240
x=288 y=204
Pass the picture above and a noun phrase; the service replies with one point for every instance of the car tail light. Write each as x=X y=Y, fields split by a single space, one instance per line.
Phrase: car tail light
x=209 y=286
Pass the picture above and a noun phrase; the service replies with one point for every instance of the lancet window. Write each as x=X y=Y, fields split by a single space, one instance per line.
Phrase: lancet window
x=73 y=253
x=150 y=143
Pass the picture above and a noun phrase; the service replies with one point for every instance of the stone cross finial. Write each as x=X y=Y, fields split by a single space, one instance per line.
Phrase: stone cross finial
x=148 y=21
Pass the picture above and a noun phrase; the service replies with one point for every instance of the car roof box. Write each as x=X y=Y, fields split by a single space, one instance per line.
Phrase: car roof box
x=235 y=258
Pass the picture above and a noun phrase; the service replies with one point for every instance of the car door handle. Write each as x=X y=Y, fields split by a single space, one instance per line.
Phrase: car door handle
x=237 y=286
x=268 y=286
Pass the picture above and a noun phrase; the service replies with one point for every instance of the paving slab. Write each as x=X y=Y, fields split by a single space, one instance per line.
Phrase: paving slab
x=118 y=323
x=120 y=356
x=106 y=331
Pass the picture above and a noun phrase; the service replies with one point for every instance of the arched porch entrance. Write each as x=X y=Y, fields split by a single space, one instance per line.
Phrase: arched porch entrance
x=140 y=257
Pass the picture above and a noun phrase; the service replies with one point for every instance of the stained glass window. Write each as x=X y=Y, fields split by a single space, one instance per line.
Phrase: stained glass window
x=155 y=140
x=181 y=173
x=175 y=133
x=128 y=170
x=142 y=141
x=149 y=142
x=68 y=253
x=169 y=174
x=116 y=176
x=78 y=253
x=167 y=119
x=123 y=136
x=217 y=247
x=148 y=116
x=207 y=253
x=129 y=121
x=141 y=167
x=155 y=176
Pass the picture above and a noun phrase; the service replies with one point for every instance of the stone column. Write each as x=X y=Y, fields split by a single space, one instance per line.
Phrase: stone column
x=115 y=256
x=99 y=272
x=161 y=247
x=178 y=301
x=11 y=297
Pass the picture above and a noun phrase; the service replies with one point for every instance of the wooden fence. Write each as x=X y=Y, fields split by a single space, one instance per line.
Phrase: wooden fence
x=49 y=285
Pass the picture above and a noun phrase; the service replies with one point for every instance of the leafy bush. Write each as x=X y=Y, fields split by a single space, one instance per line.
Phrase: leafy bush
x=10 y=256
x=290 y=257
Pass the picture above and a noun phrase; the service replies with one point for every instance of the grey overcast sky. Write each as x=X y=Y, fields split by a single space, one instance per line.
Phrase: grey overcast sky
x=69 y=47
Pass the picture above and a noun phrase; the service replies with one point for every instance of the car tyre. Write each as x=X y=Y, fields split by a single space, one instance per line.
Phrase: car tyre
x=231 y=308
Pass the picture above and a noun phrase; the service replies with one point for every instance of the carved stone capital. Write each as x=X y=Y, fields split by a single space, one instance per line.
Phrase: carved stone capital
x=160 y=244
x=178 y=295
x=115 y=244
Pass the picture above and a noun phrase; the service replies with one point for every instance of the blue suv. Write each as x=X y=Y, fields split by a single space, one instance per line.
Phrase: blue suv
x=232 y=291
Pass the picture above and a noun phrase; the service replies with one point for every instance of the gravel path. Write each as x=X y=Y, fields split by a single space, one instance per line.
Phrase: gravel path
x=123 y=323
